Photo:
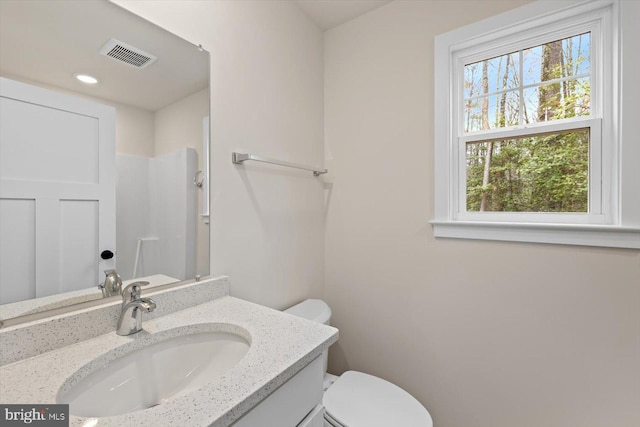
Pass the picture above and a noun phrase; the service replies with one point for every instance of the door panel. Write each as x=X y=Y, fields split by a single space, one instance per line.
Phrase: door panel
x=59 y=152
x=17 y=250
x=78 y=243
x=31 y=131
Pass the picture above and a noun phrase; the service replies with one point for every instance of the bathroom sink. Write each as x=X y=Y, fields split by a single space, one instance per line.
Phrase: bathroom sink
x=154 y=374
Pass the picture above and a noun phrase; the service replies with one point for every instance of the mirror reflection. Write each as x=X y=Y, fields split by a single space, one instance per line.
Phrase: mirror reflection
x=103 y=153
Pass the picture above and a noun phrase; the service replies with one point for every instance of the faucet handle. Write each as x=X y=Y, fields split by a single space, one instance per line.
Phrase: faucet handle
x=142 y=282
x=112 y=284
x=132 y=291
x=148 y=305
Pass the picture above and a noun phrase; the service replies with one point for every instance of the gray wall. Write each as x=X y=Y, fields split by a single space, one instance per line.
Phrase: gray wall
x=267 y=230
x=484 y=333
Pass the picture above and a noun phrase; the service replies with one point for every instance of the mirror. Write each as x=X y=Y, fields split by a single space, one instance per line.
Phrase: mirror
x=98 y=176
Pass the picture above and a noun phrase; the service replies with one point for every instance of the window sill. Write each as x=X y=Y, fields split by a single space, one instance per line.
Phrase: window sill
x=564 y=234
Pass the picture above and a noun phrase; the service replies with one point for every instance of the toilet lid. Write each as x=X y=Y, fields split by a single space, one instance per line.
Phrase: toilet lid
x=362 y=400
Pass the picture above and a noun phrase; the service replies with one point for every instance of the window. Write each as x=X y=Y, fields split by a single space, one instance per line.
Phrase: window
x=537 y=169
x=527 y=147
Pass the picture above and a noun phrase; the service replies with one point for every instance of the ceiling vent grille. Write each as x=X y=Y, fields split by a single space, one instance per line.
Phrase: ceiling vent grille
x=127 y=54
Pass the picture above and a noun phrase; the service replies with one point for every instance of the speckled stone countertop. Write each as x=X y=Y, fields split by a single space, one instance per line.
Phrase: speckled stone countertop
x=281 y=345
x=21 y=308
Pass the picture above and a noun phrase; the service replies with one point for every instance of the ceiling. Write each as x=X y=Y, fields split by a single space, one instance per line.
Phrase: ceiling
x=49 y=41
x=328 y=14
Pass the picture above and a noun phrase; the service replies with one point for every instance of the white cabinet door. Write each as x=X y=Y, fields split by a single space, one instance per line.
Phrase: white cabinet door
x=57 y=191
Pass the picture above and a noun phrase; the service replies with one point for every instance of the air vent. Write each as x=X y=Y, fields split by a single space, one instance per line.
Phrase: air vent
x=127 y=54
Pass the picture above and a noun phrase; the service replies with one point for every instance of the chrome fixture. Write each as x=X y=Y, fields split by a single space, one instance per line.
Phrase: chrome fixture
x=238 y=158
x=112 y=284
x=130 y=321
x=198 y=179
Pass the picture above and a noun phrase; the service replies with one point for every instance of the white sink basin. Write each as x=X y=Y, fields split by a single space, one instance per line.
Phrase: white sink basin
x=155 y=374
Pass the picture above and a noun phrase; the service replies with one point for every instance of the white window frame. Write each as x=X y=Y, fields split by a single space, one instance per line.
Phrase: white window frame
x=531 y=25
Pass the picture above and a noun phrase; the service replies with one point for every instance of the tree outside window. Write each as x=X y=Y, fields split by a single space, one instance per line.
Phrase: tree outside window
x=545 y=172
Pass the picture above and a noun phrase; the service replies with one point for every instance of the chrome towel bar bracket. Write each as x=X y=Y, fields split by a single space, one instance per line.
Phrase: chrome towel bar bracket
x=239 y=158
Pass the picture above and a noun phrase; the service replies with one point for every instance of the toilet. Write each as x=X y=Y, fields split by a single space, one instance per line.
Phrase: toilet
x=356 y=399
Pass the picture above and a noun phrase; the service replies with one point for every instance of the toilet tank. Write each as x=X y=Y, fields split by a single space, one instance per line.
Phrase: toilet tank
x=317 y=311
x=312 y=309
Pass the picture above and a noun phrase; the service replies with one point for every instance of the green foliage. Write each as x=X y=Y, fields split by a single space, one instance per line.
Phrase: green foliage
x=534 y=174
x=538 y=173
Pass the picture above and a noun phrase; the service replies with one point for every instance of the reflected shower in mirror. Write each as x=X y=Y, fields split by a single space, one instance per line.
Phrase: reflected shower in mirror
x=104 y=126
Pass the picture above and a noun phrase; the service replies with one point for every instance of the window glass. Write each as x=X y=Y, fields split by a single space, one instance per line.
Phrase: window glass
x=492 y=112
x=562 y=58
x=570 y=98
x=491 y=75
x=539 y=84
x=542 y=173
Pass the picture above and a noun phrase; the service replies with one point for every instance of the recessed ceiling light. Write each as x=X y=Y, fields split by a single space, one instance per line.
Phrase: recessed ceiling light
x=87 y=79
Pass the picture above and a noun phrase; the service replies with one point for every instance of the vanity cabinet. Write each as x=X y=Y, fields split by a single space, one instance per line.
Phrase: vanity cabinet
x=288 y=405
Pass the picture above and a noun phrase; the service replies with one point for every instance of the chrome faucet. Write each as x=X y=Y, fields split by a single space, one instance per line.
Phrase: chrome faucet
x=112 y=284
x=130 y=321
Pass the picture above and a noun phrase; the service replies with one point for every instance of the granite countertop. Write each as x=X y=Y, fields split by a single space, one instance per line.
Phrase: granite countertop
x=31 y=306
x=281 y=345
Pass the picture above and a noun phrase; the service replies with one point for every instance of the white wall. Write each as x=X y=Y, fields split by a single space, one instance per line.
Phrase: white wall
x=133 y=212
x=177 y=126
x=267 y=99
x=156 y=201
x=485 y=334
x=134 y=130
x=173 y=213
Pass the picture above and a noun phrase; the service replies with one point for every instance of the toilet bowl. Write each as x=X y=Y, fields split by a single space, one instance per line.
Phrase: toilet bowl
x=356 y=399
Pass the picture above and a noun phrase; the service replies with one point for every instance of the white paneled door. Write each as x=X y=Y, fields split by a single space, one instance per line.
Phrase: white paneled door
x=57 y=192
